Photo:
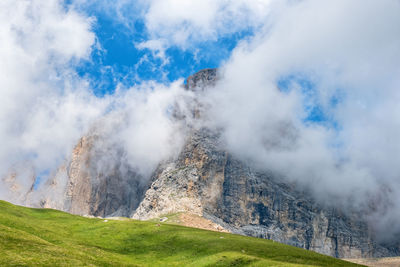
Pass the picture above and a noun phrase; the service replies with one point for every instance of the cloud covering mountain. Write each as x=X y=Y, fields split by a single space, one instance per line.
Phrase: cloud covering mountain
x=311 y=92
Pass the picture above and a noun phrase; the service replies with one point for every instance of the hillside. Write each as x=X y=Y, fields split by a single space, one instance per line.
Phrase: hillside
x=44 y=237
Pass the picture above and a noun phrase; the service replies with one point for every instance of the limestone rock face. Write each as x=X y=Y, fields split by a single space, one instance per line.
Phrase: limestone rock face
x=202 y=80
x=93 y=189
x=18 y=183
x=210 y=182
x=207 y=181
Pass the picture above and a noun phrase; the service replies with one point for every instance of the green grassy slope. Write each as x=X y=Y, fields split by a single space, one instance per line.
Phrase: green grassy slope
x=43 y=237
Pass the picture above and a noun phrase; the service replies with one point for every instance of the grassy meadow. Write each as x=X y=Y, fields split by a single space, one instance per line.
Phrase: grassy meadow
x=45 y=237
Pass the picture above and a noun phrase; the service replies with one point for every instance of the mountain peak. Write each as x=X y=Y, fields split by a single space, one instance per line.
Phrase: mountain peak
x=202 y=79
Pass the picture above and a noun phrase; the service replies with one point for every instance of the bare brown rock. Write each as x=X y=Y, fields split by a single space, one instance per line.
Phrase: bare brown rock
x=86 y=187
x=191 y=220
x=378 y=262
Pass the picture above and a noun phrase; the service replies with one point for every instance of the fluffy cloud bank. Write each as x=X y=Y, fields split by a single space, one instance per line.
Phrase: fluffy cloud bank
x=315 y=98
x=46 y=106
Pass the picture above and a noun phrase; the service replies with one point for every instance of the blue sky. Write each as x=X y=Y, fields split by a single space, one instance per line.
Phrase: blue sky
x=117 y=60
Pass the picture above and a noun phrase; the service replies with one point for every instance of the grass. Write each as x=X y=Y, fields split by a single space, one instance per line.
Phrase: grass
x=44 y=237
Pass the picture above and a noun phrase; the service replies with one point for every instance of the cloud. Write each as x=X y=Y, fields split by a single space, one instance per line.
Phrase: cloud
x=142 y=122
x=348 y=54
x=158 y=49
x=43 y=103
x=184 y=23
x=46 y=106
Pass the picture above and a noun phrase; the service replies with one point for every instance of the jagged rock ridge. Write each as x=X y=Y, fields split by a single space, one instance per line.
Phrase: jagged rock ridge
x=208 y=181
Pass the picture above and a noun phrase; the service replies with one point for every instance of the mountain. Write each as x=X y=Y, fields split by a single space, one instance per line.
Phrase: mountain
x=206 y=180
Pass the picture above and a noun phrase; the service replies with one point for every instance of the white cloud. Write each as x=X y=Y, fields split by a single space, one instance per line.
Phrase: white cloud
x=187 y=23
x=347 y=48
x=142 y=122
x=44 y=105
x=157 y=47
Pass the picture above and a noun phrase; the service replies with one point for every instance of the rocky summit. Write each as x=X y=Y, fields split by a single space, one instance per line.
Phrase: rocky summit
x=206 y=180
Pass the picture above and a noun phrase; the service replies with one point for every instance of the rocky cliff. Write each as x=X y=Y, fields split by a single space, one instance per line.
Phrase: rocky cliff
x=88 y=187
x=208 y=181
